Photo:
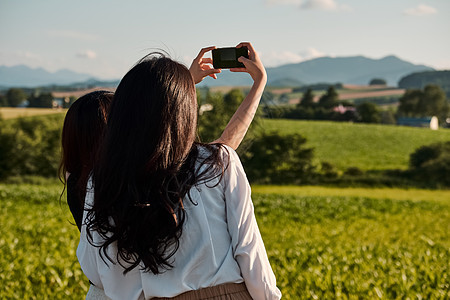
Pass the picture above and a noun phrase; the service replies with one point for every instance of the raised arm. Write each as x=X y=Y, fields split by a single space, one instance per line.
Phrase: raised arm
x=239 y=123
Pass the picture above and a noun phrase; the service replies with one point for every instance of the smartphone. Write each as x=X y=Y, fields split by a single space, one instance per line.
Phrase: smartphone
x=226 y=58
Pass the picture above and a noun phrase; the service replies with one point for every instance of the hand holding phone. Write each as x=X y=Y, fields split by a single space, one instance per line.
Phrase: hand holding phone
x=227 y=58
x=253 y=64
x=242 y=58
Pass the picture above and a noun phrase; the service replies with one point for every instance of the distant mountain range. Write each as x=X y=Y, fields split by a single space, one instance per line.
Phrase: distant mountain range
x=348 y=70
x=23 y=76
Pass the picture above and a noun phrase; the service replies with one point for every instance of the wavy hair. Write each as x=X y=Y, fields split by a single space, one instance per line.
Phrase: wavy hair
x=147 y=164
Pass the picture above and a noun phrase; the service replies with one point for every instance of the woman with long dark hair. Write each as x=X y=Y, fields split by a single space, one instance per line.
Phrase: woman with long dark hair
x=86 y=118
x=166 y=216
x=83 y=130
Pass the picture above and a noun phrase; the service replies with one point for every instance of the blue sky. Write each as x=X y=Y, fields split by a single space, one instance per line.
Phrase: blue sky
x=105 y=38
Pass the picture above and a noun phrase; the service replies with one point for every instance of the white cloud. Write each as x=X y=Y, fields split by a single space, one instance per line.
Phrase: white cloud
x=273 y=59
x=20 y=57
x=311 y=53
x=320 y=4
x=330 y=5
x=71 y=34
x=89 y=54
x=442 y=64
x=285 y=2
x=28 y=55
x=420 y=10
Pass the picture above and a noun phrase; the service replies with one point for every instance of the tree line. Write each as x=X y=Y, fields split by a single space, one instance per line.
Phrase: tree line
x=429 y=101
x=329 y=107
x=426 y=102
x=15 y=97
x=31 y=147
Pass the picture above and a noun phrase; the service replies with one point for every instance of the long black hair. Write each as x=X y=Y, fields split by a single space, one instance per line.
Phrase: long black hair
x=147 y=164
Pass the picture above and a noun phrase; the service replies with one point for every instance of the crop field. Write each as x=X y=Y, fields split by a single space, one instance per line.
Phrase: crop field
x=348 y=92
x=366 y=146
x=323 y=243
x=356 y=247
x=14 y=112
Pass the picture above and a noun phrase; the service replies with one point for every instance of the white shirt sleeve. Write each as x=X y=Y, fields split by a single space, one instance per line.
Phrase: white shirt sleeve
x=247 y=244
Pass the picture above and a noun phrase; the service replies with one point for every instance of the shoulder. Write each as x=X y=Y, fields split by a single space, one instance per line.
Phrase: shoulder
x=233 y=168
x=207 y=150
x=217 y=154
x=229 y=153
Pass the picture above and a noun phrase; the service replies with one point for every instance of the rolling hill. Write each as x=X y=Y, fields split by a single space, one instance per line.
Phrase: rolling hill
x=366 y=146
x=421 y=79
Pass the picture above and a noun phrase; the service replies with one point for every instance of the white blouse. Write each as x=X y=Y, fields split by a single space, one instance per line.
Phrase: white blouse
x=220 y=243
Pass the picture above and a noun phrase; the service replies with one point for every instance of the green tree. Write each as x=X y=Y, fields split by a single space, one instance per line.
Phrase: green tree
x=30 y=146
x=431 y=164
x=15 y=97
x=7 y=144
x=231 y=101
x=378 y=81
x=215 y=111
x=210 y=116
x=3 y=101
x=387 y=117
x=368 y=113
x=434 y=102
x=429 y=102
x=408 y=103
x=275 y=158
x=41 y=100
x=329 y=99
x=307 y=99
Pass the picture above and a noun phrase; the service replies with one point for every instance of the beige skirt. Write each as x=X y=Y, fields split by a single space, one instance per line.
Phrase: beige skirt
x=227 y=291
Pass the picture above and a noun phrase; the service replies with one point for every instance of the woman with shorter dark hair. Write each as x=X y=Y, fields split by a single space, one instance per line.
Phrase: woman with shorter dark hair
x=81 y=136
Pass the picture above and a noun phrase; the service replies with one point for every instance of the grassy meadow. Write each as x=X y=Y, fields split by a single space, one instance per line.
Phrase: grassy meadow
x=366 y=146
x=323 y=243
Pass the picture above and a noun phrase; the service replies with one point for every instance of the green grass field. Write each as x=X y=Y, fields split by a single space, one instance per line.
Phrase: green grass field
x=366 y=146
x=323 y=243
